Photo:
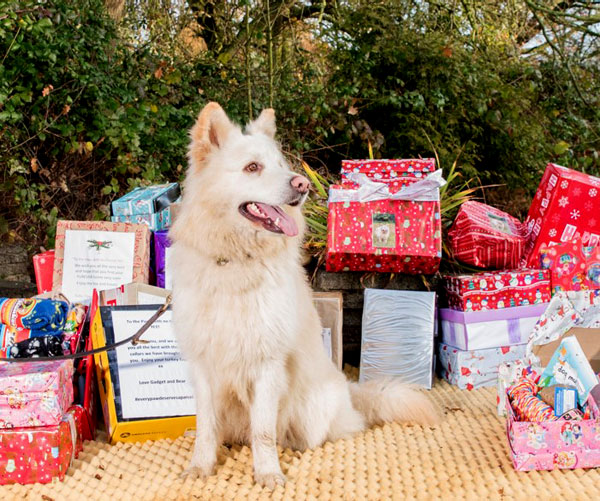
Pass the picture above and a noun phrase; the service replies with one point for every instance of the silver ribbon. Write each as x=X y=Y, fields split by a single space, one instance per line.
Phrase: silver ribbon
x=424 y=190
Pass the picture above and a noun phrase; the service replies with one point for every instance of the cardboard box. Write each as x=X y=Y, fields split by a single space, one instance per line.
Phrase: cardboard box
x=95 y=263
x=330 y=308
x=589 y=339
x=133 y=294
x=118 y=427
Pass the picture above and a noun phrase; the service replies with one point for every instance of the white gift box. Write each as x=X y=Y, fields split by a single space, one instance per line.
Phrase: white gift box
x=479 y=330
x=397 y=336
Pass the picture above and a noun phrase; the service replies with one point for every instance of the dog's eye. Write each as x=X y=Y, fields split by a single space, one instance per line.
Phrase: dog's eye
x=252 y=167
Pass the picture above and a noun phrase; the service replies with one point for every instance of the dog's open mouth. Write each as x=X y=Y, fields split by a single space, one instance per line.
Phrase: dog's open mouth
x=270 y=217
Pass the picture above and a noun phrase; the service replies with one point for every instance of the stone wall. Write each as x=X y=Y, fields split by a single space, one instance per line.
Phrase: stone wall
x=352 y=285
x=15 y=272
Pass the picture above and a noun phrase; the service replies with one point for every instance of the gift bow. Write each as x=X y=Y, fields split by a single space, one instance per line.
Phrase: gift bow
x=424 y=190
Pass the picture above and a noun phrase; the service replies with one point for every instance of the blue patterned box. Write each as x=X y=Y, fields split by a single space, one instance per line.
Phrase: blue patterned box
x=148 y=200
x=157 y=221
x=470 y=369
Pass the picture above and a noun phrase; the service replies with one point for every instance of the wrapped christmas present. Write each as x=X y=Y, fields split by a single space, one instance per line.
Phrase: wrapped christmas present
x=487 y=237
x=42 y=454
x=565 y=207
x=471 y=369
x=35 y=393
x=498 y=289
x=386 y=223
x=398 y=329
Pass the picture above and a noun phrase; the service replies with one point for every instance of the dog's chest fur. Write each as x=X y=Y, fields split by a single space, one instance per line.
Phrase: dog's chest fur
x=239 y=312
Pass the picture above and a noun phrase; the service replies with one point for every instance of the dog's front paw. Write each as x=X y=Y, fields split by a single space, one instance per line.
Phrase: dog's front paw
x=195 y=472
x=270 y=480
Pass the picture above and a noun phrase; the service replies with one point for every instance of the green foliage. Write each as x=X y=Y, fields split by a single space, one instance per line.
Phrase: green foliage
x=90 y=106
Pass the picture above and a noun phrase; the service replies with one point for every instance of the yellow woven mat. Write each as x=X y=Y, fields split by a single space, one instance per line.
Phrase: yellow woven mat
x=466 y=457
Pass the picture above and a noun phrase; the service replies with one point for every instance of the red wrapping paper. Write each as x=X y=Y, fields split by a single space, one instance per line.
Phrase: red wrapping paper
x=497 y=290
x=565 y=208
x=487 y=237
x=573 y=266
x=43 y=266
x=385 y=235
x=42 y=454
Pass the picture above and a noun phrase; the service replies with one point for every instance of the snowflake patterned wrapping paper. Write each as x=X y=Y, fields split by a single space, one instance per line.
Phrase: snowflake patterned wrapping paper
x=470 y=369
x=553 y=445
x=398 y=328
x=497 y=290
x=376 y=224
x=486 y=237
x=574 y=267
x=43 y=454
x=35 y=393
x=478 y=330
x=565 y=207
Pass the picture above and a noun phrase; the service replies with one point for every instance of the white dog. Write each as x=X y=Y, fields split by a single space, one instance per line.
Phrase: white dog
x=382 y=234
x=243 y=309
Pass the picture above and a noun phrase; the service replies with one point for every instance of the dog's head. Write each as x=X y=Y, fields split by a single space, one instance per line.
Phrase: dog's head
x=243 y=175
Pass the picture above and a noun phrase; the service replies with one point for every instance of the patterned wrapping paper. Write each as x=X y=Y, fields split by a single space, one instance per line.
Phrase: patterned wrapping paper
x=475 y=368
x=146 y=200
x=379 y=233
x=398 y=328
x=565 y=207
x=155 y=221
x=479 y=330
x=487 y=237
x=43 y=454
x=395 y=173
x=553 y=445
x=497 y=290
x=35 y=394
x=141 y=259
x=573 y=266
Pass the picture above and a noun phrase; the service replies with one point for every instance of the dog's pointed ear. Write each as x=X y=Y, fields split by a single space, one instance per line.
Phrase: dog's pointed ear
x=264 y=124
x=211 y=128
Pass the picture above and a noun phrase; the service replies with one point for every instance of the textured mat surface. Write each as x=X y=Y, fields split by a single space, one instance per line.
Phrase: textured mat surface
x=466 y=457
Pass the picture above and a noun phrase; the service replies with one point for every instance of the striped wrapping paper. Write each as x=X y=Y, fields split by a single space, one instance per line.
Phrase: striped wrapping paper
x=486 y=237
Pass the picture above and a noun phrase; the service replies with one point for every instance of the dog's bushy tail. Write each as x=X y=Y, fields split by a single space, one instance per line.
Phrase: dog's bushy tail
x=384 y=400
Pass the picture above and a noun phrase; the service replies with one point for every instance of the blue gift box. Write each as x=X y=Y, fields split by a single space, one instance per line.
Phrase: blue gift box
x=146 y=200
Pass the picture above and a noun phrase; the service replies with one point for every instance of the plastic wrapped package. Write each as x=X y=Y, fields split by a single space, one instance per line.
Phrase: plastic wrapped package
x=398 y=328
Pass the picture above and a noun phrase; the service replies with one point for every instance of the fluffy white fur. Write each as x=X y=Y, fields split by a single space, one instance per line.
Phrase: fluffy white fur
x=244 y=316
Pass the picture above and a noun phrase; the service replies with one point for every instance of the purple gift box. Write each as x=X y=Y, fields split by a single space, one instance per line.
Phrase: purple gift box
x=479 y=330
x=162 y=246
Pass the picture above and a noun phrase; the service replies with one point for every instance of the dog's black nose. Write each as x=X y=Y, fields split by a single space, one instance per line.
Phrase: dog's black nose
x=300 y=184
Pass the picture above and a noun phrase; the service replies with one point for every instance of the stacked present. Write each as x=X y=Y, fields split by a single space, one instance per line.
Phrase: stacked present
x=488 y=322
x=40 y=430
x=385 y=216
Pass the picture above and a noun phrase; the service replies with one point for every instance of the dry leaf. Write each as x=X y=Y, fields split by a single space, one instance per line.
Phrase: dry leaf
x=66 y=109
x=447 y=51
x=158 y=73
x=46 y=91
x=34 y=164
x=352 y=110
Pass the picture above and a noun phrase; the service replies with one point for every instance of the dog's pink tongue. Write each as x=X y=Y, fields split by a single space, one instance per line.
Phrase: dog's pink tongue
x=284 y=222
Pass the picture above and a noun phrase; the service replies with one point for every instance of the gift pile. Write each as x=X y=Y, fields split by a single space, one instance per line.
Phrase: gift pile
x=40 y=430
